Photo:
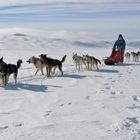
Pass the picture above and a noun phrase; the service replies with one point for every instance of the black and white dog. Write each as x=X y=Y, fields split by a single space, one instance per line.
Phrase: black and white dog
x=7 y=69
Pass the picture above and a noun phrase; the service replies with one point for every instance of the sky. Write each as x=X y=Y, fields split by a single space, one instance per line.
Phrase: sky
x=101 y=16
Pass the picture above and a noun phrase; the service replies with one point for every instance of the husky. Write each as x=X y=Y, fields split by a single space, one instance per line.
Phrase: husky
x=127 y=57
x=38 y=63
x=52 y=63
x=3 y=71
x=88 y=61
x=13 y=69
x=134 y=56
x=7 y=69
x=92 y=62
x=138 y=54
x=79 y=61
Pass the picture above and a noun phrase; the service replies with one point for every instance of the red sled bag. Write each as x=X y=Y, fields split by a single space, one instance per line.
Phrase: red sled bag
x=113 y=58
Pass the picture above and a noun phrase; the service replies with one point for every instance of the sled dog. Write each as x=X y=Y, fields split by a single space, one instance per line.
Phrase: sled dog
x=52 y=63
x=127 y=57
x=38 y=63
x=3 y=71
x=7 y=69
x=138 y=54
x=79 y=61
x=134 y=56
x=92 y=62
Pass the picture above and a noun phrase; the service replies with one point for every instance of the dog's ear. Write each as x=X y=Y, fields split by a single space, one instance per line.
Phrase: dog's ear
x=1 y=58
x=19 y=61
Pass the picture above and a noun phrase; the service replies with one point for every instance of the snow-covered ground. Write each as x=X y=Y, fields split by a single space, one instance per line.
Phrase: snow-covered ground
x=86 y=105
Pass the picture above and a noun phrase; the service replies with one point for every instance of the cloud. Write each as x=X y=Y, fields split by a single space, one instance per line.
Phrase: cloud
x=92 y=15
x=17 y=2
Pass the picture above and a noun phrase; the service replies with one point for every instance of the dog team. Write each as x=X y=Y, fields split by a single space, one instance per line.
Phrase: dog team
x=43 y=61
x=48 y=63
x=81 y=62
x=89 y=62
x=134 y=56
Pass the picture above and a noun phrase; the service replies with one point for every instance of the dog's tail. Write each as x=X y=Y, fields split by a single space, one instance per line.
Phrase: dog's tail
x=63 y=59
x=19 y=62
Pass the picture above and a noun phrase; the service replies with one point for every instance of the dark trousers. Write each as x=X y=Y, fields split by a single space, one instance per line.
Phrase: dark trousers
x=122 y=55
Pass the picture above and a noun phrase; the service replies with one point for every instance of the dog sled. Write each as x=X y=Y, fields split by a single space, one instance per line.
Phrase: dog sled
x=113 y=58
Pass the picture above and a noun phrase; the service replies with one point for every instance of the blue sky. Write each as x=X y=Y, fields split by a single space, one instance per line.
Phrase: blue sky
x=92 y=15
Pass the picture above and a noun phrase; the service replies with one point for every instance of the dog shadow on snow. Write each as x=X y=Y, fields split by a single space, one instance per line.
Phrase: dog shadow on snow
x=39 y=88
x=107 y=71
x=26 y=86
x=74 y=76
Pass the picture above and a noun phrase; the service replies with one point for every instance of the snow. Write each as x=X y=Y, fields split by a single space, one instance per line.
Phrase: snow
x=86 y=105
